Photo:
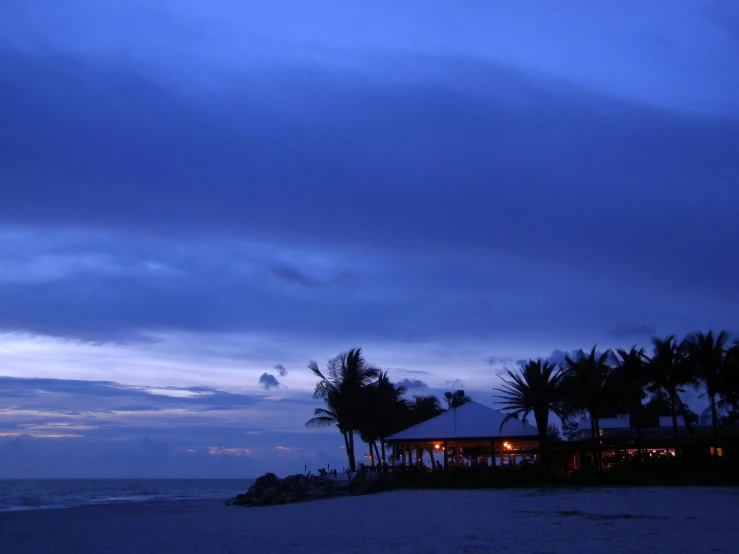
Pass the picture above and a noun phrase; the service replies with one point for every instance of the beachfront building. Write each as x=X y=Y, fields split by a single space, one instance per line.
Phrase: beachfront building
x=606 y=424
x=469 y=434
x=610 y=426
x=618 y=441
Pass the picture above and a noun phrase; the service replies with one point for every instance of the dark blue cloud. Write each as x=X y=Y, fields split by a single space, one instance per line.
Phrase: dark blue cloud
x=81 y=395
x=410 y=384
x=554 y=186
x=281 y=369
x=466 y=172
x=465 y=169
x=268 y=381
x=500 y=360
x=410 y=371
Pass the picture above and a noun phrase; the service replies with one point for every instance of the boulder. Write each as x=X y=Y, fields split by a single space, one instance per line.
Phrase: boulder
x=269 y=490
x=270 y=494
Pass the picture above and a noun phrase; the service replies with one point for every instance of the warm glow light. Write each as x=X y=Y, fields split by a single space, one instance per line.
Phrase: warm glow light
x=507 y=445
x=437 y=446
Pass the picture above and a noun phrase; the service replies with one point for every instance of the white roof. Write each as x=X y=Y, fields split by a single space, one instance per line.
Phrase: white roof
x=474 y=421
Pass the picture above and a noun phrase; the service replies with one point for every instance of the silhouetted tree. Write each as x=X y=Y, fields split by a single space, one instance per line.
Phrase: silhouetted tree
x=534 y=388
x=553 y=433
x=730 y=383
x=341 y=388
x=586 y=386
x=456 y=399
x=670 y=376
x=382 y=411
x=630 y=378
x=422 y=409
x=706 y=358
x=570 y=429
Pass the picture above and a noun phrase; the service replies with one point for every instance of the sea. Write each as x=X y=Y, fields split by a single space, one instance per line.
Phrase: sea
x=39 y=494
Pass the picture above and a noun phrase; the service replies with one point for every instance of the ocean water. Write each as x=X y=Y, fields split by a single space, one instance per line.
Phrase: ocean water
x=35 y=494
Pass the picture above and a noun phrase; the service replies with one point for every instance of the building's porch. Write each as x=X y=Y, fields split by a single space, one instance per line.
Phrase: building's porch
x=445 y=453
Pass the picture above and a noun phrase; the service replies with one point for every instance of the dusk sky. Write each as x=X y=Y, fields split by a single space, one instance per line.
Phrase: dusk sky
x=198 y=198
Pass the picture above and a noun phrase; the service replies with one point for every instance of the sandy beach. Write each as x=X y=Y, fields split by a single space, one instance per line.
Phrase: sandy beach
x=522 y=521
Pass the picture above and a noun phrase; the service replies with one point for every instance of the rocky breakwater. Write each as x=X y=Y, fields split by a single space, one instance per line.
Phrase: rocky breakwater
x=270 y=490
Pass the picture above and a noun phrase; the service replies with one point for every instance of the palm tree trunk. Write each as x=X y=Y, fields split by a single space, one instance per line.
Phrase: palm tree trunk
x=431 y=453
x=352 y=461
x=347 y=447
x=376 y=457
x=639 y=453
x=673 y=409
x=593 y=435
x=598 y=452
x=544 y=452
x=370 y=443
x=714 y=422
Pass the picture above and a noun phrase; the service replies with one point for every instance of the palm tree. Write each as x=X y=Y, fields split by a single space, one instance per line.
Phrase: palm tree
x=327 y=417
x=341 y=389
x=422 y=409
x=534 y=388
x=729 y=389
x=631 y=377
x=328 y=389
x=586 y=385
x=706 y=357
x=324 y=417
x=383 y=408
x=457 y=399
x=670 y=376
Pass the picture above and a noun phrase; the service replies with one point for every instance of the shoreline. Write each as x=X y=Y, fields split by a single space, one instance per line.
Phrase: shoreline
x=25 y=509
x=222 y=501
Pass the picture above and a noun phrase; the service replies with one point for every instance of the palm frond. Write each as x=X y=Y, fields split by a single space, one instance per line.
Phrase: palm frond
x=320 y=422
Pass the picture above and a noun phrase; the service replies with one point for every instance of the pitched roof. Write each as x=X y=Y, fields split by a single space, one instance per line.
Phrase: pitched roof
x=473 y=421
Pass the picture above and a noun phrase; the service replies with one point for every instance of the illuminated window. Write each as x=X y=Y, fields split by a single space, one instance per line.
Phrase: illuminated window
x=712 y=450
x=720 y=452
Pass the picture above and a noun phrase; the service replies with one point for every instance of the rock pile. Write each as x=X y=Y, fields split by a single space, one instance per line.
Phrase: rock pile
x=270 y=490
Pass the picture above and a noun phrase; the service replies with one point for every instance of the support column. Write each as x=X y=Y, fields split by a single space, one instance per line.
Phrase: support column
x=446 y=454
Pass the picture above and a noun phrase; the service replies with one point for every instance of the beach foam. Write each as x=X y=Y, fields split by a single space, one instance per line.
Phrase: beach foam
x=35 y=494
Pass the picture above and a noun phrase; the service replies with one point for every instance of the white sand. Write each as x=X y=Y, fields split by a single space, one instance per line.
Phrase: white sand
x=686 y=520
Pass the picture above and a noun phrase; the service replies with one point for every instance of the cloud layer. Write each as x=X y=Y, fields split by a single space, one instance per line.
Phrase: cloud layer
x=104 y=429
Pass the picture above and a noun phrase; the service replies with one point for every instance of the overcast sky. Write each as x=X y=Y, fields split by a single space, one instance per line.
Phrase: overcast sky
x=198 y=198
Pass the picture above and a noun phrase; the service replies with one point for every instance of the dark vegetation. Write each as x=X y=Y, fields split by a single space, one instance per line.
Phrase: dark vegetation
x=361 y=401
